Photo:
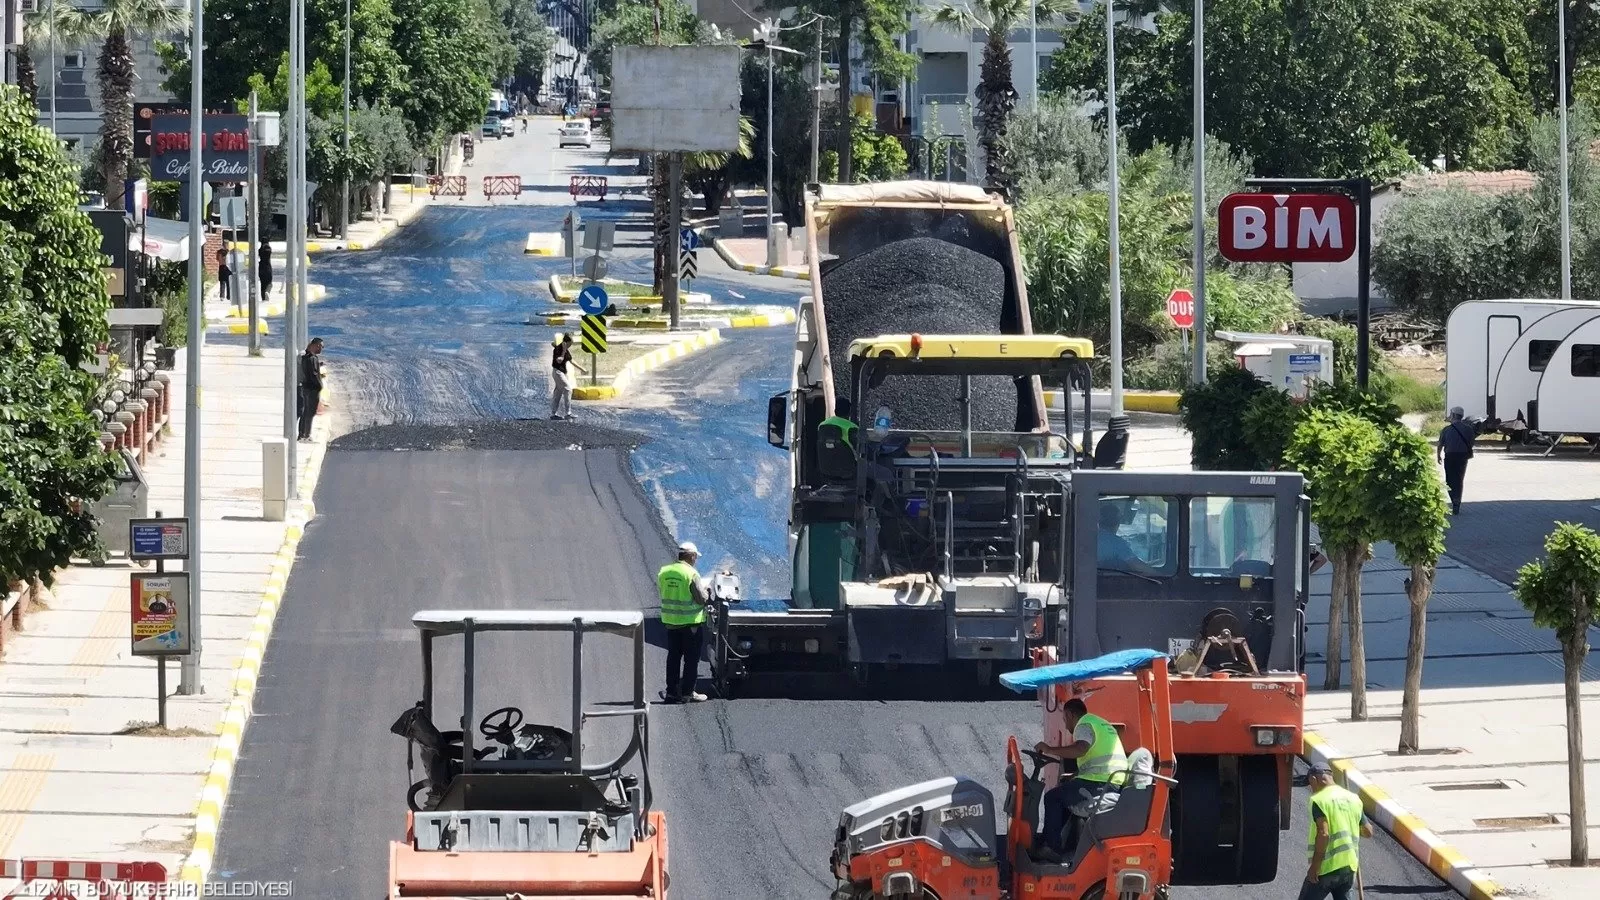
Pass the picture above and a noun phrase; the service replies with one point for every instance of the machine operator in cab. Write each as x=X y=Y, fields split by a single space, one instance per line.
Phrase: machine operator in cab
x=1098 y=750
x=1338 y=823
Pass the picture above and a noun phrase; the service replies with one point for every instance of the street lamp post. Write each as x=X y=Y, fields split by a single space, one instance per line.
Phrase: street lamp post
x=53 y=75
x=1561 y=103
x=1198 y=366
x=816 y=108
x=1117 y=428
x=344 y=192
x=189 y=681
x=1033 y=48
x=772 y=236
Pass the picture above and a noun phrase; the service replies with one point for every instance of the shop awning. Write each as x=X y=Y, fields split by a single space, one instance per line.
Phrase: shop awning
x=160 y=238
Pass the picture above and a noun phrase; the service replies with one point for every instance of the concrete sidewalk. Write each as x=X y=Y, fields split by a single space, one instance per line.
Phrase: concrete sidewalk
x=84 y=775
x=750 y=255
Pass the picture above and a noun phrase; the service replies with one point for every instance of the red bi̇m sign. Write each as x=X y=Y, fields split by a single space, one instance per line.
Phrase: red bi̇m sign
x=1287 y=228
x=1180 y=308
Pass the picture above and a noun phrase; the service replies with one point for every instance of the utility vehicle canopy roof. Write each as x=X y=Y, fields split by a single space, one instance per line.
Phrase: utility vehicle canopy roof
x=1115 y=663
x=890 y=193
x=453 y=621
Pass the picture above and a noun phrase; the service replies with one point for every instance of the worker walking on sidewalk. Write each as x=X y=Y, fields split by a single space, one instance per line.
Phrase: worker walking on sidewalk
x=1338 y=823
x=1455 y=450
x=561 y=379
x=1098 y=749
x=683 y=611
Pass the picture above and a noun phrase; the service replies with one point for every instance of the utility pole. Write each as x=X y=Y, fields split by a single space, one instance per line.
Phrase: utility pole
x=300 y=183
x=670 y=293
x=253 y=235
x=1117 y=428
x=1561 y=102
x=291 y=261
x=1199 y=363
x=53 y=76
x=772 y=236
x=1033 y=48
x=344 y=192
x=816 y=109
x=189 y=682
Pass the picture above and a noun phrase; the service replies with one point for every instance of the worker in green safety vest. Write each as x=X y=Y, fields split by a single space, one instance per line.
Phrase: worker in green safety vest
x=683 y=611
x=1338 y=823
x=1101 y=761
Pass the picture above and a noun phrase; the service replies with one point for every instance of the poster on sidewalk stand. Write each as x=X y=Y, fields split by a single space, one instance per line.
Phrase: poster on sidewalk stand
x=160 y=613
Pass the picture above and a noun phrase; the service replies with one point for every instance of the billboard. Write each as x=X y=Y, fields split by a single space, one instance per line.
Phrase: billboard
x=144 y=115
x=666 y=99
x=225 y=157
x=1287 y=228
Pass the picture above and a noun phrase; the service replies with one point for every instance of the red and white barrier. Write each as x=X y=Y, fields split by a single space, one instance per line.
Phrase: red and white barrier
x=587 y=186
x=501 y=186
x=447 y=185
x=73 y=879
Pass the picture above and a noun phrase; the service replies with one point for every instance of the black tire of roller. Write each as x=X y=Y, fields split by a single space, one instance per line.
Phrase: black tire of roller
x=1196 y=808
x=1258 y=809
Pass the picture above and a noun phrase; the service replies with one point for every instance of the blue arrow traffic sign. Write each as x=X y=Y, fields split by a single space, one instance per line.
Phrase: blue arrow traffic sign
x=689 y=240
x=593 y=300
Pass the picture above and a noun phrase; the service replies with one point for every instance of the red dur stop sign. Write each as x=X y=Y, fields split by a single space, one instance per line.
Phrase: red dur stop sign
x=1180 y=308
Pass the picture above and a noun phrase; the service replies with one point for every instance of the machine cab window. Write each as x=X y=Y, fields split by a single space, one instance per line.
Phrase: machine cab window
x=1232 y=537
x=1137 y=536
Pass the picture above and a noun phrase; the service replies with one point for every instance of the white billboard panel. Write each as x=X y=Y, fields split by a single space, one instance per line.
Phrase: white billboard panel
x=666 y=99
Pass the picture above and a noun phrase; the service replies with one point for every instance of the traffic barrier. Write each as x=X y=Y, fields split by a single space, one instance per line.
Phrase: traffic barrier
x=447 y=185
x=501 y=186
x=71 y=878
x=587 y=186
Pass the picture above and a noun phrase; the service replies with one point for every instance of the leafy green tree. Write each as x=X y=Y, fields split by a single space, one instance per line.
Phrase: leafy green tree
x=531 y=41
x=997 y=96
x=448 y=58
x=1563 y=592
x=1409 y=503
x=61 y=19
x=878 y=25
x=53 y=305
x=117 y=23
x=1338 y=452
x=791 y=147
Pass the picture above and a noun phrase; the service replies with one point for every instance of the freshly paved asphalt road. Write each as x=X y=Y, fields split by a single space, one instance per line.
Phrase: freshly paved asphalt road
x=429 y=330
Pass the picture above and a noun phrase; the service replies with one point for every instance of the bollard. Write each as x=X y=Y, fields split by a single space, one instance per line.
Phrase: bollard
x=116 y=430
x=125 y=419
x=108 y=441
x=137 y=430
x=152 y=404
x=165 y=380
x=274 y=479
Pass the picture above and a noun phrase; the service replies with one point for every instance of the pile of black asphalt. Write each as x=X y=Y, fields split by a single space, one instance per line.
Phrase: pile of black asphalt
x=490 y=434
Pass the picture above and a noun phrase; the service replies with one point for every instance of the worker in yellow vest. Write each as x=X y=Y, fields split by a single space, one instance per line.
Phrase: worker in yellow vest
x=1338 y=823
x=1098 y=750
x=683 y=611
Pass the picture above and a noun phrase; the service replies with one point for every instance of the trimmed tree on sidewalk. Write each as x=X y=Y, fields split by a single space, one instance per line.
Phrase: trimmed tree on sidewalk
x=1409 y=504
x=1337 y=452
x=52 y=315
x=1563 y=592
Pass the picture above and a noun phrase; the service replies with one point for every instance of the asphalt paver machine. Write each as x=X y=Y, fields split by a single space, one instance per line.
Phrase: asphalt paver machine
x=938 y=840
x=527 y=815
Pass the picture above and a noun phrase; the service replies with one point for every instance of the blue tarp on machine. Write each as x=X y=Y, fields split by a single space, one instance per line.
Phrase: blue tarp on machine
x=1064 y=673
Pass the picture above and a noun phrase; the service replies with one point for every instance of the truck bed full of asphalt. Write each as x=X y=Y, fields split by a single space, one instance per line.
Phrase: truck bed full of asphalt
x=564 y=515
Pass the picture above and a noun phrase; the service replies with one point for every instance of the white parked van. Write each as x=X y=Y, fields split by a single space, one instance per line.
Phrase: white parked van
x=1536 y=358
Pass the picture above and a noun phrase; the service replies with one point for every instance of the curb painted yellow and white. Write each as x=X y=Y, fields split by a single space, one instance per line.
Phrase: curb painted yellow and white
x=801 y=273
x=655 y=359
x=762 y=320
x=543 y=243
x=1133 y=401
x=563 y=295
x=225 y=756
x=1410 y=831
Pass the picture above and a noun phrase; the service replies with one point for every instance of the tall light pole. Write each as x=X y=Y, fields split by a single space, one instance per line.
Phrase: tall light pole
x=300 y=181
x=53 y=76
x=292 y=258
x=1561 y=102
x=816 y=107
x=1033 y=48
x=1199 y=328
x=772 y=235
x=1117 y=428
x=344 y=191
x=189 y=670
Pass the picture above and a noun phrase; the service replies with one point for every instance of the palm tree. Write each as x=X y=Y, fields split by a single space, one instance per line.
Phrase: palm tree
x=59 y=18
x=708 y=172
x=996 y=94
x=116 y=22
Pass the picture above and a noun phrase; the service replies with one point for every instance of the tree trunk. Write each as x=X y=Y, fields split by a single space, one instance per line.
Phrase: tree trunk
x=997 y=97
x=1334 y=666
x=1573 y=652
x=116 y=76
x=27 y=75
x=841 y=138
x=1358 y=644
x=1417 y=591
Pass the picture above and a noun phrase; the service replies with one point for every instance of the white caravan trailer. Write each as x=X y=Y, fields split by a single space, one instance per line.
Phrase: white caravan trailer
x=1500 y=352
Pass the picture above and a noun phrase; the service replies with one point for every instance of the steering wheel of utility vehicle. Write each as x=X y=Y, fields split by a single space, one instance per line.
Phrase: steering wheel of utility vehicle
x=548 y=742
x=501 y=724
x=1040 y=760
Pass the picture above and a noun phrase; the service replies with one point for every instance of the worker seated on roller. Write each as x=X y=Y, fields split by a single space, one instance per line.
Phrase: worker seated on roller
x=1115 y=554
x=836 y=445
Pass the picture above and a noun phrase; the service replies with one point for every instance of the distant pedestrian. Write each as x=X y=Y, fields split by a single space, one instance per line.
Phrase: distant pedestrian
x=1454 y=450
x=1337 y=826
x=310 y=386
x=225 y=277
x=561 y=378
x=683 y=611
x=264 y=269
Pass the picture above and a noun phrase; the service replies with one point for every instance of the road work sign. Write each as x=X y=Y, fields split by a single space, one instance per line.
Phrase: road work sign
x=593 y=299
x=594 y=333
x=160 y=613
x=1287 y=228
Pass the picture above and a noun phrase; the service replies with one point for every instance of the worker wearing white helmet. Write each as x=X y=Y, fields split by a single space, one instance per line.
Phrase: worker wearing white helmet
x=683 y=611
x=560 y=378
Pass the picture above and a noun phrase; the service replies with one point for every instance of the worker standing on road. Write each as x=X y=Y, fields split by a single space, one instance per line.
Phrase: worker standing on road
x=561 y=379
x=1454 y=450
x=1098 y=749
x=683 y=611
x=1337 y=825
x=310 y=386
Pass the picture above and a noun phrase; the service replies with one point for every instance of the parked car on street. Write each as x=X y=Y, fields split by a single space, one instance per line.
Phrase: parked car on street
x=491 y=128
x=576 y=133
